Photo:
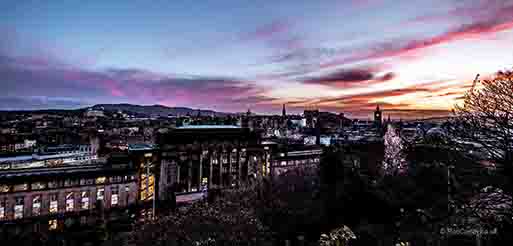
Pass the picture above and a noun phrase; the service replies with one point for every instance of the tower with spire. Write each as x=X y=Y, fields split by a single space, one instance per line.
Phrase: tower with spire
x=283 y=111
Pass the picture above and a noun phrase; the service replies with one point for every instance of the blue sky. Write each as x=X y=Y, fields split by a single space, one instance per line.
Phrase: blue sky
x=412 y=57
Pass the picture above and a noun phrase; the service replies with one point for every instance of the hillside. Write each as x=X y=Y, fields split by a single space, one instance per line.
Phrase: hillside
x=154 y=110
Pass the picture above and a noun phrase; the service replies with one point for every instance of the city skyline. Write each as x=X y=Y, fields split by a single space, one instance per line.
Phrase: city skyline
x=411 y=57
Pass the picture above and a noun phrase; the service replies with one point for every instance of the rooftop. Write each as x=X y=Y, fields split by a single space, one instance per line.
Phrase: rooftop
x=16 y=158
x=140 y=146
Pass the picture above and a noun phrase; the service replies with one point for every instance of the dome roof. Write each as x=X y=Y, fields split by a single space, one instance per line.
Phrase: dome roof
x=436 y=131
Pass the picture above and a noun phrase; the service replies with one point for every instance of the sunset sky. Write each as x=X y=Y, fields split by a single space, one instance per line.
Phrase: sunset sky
x=415 y=58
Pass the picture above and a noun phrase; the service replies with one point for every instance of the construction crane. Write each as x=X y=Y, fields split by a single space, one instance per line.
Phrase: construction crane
x=474 y=83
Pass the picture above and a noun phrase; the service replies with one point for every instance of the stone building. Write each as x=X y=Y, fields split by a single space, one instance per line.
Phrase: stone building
x=45 y=196
x=286 y=158
x=196 y=158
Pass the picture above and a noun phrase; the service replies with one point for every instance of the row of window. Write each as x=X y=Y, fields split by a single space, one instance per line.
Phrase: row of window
x=84 y=158
x=84 y=202
x=296 y=162
x=64 y=183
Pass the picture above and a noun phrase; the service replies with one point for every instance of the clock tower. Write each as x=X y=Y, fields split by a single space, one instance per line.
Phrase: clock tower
x=378 y=116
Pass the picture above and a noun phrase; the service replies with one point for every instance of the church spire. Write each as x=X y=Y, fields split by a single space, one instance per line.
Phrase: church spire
x=283 y=112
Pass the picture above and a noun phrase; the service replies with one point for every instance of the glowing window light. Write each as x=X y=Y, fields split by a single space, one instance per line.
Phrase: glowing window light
x=69 y=202
x=52 y=225
x=85 y=200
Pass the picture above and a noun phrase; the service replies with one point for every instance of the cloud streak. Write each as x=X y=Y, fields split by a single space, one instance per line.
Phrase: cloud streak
x=344 y=78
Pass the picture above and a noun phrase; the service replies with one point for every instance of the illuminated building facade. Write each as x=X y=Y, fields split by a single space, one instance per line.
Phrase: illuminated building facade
x=293 y=157
x=44 y=197
x=146 y=159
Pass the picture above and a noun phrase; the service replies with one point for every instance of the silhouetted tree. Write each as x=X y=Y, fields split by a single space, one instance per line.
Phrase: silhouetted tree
x=483 y=130
x=290 y=204
x=485 y=123
x=230 y=220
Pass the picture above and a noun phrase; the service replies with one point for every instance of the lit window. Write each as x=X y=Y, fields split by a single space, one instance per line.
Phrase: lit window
x=100 y=193
x=38 y=186
x=114 y=196
x=4 y=188
x=52 y=224
x=20 y=187
x=100 y=180
x=18 y=208
x=54 y=203
x=2 y=208
x=283 y=163
x=69 y=202
x=85 y=199
x=36 y=205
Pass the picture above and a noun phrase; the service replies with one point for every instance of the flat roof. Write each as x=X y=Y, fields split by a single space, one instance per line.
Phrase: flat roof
x=141 y=146
x=268 y=142
x=16 y=158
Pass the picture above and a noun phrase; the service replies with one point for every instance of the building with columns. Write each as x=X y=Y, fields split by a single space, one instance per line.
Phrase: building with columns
x=196 y=158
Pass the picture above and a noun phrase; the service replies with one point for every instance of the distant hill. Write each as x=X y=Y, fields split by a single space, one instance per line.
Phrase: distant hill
x=138 y=110
x=155 y=110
